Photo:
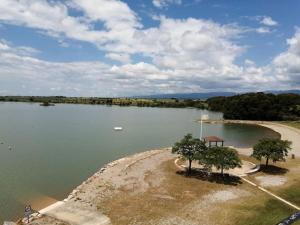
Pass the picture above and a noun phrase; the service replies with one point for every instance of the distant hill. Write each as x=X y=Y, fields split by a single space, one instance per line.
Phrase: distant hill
x=189 y=95
x=284 y=91
x=206 y=95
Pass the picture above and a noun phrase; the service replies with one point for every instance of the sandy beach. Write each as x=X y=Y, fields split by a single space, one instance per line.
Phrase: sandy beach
x=135 y=174
x=286 y=133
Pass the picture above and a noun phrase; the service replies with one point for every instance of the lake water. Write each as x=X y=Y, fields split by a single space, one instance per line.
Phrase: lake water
x=55 y=148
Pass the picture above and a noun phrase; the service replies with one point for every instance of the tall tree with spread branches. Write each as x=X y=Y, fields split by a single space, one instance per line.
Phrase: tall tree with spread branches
x=222 y=158
x=270 y=148
x=190 y=148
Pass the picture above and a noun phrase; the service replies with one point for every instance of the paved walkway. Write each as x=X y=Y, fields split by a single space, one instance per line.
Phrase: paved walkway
x=75 y=215
x=247 y=168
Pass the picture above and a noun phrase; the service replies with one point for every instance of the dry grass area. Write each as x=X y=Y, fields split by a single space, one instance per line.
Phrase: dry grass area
x=290 y=171
x=268 y=210
x=197 y=200
x=177 y=200
x=153 y=191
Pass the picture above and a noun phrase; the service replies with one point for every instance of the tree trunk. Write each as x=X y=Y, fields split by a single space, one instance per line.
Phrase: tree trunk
x=222 y=171
x=267 y=162
x=190 y=166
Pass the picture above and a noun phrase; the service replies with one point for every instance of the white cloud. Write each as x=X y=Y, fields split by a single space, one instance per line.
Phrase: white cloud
x=183 y=55
x=54 y=19
x=268 y=21
x=287 y=64
x=165 y=3
x=249 y=62
x=21 y=50
x=263 y=30
x=123 y=58
x=113 y=13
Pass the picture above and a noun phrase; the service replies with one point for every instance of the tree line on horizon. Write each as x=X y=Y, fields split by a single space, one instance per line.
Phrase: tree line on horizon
x=250 y=106
x=139 y=102
x=258 y=106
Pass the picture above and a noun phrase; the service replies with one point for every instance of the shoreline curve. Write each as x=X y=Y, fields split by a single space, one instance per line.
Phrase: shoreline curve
x=286 y=132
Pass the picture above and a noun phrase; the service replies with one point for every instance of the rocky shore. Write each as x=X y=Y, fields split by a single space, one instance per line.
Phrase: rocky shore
x=82 y=205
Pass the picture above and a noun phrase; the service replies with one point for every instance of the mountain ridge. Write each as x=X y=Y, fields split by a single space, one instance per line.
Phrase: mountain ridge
x=206 y=95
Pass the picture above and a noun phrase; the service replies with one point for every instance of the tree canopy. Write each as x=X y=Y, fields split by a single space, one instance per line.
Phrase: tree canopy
x=222 y=158
x=258 y=106
x=190 y=148
x=274 y=149
x=140 y=102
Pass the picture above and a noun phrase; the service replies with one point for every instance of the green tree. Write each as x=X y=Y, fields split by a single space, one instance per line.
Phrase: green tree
x=222 y=158
x=190 y=148
x=270 y=148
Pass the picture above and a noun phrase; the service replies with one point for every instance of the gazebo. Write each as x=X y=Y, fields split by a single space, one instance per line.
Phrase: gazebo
x=214 y=139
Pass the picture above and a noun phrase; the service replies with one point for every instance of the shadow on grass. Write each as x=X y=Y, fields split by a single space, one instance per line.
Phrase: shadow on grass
x=274 y=170
x=203 y=175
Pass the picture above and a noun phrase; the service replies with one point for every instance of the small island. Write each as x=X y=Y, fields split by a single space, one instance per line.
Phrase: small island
x=47 y=104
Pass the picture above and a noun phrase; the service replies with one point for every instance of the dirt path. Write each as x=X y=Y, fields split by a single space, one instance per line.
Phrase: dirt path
x=75 y=214
x=247 y=168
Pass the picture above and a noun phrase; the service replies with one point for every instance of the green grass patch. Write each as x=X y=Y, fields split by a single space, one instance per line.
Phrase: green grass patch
x=272 y=212
x=292 y=194
x=295 y=124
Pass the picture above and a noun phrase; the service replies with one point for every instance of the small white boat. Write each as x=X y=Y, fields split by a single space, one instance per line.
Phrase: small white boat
x=118 y=128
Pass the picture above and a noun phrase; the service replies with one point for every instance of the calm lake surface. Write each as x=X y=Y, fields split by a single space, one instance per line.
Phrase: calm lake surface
x=55 y=148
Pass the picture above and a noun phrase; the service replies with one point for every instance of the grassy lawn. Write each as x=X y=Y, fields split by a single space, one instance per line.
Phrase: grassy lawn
x=295 y=124
x=270 y=212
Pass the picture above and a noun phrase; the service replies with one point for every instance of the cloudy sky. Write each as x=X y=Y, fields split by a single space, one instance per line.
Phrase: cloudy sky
x=137 y=47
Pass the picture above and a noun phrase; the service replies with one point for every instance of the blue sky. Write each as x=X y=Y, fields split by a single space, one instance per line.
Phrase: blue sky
x=136 y=47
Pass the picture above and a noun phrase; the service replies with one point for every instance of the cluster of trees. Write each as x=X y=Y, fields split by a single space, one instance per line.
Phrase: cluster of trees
x=227 y=158
x=195 y=149
x=258 y=106
x=171 y=103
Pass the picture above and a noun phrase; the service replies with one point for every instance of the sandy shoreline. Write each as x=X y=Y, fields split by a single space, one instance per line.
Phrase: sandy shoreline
x=108 y=179
x=286 y=132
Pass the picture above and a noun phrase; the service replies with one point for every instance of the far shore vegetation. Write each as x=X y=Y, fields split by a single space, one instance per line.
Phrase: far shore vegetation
x=139 y=102
x=258 y=106
x=249 y=106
